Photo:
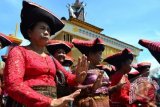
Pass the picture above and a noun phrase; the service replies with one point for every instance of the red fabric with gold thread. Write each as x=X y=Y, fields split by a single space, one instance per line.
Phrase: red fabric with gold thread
x=24 y=69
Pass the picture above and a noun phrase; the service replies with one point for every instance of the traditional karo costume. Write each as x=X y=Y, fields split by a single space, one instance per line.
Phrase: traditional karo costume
x=29 y=77
x=100 y=97
x=119 y=98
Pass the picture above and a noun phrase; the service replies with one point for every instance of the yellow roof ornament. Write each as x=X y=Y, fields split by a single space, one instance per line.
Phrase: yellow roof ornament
x=14 y=39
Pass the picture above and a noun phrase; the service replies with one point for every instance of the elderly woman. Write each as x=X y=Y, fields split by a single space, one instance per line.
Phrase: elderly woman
x=97 y=92
x=93 y=96
x=143 y=68
x=30 y=71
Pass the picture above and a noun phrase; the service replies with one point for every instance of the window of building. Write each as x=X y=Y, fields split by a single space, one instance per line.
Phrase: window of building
x=68 y=37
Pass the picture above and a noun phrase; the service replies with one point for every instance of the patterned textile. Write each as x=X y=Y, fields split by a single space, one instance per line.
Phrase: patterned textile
x=91 y=78
x=25 y=69
x=99 y=98
x=46 y=91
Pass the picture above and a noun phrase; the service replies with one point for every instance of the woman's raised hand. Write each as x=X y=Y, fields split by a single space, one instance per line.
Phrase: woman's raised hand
x=81 y=69
x=63 y=101
x=98 y=83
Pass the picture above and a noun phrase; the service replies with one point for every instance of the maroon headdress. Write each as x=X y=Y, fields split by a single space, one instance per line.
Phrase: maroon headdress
x=4 y=40
x=119 y=57
x=53 y=45
x=85 y=46
x=141 y=65
x=32 y=13
x=153 y=47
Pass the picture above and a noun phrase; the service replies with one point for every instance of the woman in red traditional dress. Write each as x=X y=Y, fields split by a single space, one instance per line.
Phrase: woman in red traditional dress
x=96 y=92
x=30 y=71
x=122 y=61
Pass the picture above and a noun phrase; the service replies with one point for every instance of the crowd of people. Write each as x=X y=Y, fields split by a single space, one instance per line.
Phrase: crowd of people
x=42 y=74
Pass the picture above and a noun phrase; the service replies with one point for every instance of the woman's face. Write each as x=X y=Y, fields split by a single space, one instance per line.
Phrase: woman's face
x=60 y=55
x=126 y=66
x=145 y=71
x=40 y=34
x=95 y=57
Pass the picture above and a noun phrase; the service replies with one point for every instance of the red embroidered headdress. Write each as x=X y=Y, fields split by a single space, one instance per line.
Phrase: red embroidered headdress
x=53 y=45
x=85 y=46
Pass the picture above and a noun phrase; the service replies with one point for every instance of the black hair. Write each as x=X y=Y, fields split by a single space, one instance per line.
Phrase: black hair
x=98 y=47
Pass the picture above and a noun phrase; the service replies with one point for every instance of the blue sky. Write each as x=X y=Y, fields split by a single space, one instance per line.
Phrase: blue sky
x=125 y=20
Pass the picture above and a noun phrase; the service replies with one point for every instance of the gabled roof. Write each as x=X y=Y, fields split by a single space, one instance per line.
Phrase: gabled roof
x=85 y=25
